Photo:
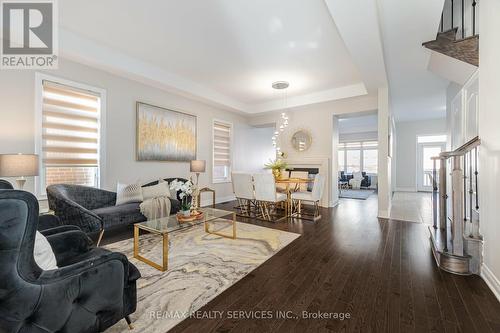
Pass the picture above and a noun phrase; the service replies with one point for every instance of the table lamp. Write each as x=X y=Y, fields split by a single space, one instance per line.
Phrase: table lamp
x=198 y=166
x=19 y=165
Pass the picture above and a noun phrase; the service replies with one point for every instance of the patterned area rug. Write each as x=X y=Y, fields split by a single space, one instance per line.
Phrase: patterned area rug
x=356 y=194
x=201 y=266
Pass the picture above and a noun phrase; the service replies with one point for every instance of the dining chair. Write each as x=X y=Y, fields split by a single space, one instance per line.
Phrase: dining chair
x=243 y=191
x=301 y=175
x=314 y=196
x=267 y=197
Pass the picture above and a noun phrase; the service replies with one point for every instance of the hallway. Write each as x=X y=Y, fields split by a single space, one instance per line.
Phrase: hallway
x=412 y=207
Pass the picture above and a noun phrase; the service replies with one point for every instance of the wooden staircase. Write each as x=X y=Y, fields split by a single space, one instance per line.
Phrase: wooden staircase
x=459 y=42
x=456 y=242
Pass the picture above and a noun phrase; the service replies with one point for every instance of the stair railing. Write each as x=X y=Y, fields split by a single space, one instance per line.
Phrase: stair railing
x=450 y=7
x=464 y=221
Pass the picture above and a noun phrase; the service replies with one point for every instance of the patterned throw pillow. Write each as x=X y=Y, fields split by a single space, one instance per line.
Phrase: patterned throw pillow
x=126 y=193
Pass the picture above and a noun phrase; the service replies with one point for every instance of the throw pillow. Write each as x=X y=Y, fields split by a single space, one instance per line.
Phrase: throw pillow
x=159 y=190
x=43 y=253
x=126 y=193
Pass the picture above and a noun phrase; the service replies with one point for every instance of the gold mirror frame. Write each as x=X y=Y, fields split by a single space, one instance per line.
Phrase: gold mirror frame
x=301 y=140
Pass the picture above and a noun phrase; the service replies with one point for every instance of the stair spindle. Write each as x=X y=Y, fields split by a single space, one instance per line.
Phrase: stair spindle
x=434 y=193
x=452 y=7
x=463 y=20
x=476 y=173
x=474 y=3
x=465 y=190
x=471 y=193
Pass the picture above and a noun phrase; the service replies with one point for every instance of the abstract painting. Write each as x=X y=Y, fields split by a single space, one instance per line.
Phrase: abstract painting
x=165 y=135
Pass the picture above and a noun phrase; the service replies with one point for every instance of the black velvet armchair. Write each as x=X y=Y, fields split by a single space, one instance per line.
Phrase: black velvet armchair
x=91 y=290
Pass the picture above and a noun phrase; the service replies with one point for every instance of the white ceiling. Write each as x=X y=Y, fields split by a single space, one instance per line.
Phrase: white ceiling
x=416 y=93
x=228 y=52
x=233 y=48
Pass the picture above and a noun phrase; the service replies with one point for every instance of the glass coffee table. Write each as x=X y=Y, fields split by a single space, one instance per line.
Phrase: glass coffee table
x=167 y=225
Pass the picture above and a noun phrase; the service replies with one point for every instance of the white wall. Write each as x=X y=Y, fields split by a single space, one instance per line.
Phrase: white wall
x=17 y=123
x=489 y=118
x=256 y=149
x=406 y=149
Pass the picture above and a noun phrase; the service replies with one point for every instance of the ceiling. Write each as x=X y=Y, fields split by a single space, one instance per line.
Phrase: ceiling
x=416 y=93
x=234 y=48
x=228 y=52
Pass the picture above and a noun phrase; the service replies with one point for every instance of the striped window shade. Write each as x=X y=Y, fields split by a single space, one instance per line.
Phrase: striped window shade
x=222 y=150
x=70 y=126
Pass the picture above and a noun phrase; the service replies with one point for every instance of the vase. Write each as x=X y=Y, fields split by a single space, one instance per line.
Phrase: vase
x=186 y=213
x=277 y=174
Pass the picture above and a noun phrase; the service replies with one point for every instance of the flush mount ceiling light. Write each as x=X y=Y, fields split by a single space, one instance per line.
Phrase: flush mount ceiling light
x=280 y=85
x=282 y=123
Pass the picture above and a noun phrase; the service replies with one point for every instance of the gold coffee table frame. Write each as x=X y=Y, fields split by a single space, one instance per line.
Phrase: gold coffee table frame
x=167 y=225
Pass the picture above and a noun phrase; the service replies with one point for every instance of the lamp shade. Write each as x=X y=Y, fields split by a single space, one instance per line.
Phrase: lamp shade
x=18 y=165
x=198 y=166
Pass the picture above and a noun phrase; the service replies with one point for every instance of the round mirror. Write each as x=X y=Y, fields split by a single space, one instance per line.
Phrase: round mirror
x=301 y=140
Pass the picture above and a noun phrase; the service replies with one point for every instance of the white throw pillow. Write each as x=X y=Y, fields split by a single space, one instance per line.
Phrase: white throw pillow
x=44 y=256
x=159 y=190
x=126 y=193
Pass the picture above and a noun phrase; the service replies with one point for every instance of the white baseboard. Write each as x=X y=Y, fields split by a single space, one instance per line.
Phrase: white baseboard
x=405 y=189
x=208 y=201
x=491 y=280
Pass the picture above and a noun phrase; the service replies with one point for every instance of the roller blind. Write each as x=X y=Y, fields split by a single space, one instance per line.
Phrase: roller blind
x=222 y=144
x=70 y=126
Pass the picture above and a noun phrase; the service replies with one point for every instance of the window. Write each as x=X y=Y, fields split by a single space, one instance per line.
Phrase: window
x=358 y=156
x=431 y=138
x=341 y=157
x=222 y=157
x=70 y=135
x=370 y=161
x=353 y=160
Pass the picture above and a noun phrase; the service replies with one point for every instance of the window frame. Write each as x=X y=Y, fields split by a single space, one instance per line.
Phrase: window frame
x=101 y=169
x=231 y=151
x=357 y=145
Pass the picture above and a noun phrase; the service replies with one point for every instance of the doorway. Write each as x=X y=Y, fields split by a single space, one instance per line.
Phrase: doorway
x=428 y=147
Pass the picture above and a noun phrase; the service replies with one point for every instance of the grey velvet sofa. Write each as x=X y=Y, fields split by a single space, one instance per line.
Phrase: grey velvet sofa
x=91 y=289
x=94 y=210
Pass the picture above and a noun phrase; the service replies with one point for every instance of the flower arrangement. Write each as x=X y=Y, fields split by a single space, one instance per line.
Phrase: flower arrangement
x=276 y=166
x=186 y=189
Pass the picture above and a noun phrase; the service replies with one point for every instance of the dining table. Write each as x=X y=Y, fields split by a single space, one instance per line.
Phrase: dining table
x=292 y=185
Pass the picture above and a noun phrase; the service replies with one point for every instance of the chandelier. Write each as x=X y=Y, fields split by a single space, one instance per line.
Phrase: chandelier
x=282 y=123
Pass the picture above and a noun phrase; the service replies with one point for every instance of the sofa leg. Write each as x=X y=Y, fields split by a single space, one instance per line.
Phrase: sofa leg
x=100 y=237
x=129 y=323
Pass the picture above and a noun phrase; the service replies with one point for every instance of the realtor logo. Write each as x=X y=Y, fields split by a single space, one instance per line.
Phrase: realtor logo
x=29 y=34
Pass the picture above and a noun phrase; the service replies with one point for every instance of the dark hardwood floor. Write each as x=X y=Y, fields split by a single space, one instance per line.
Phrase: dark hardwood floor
x=379 y=272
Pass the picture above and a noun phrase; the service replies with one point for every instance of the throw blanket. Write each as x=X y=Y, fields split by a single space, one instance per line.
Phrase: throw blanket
x=156 y=208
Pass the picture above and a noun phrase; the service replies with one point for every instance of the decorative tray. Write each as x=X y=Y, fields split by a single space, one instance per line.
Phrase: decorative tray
x=194 y=216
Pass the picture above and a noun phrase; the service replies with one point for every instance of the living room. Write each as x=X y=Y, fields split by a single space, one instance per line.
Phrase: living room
x=240 y=166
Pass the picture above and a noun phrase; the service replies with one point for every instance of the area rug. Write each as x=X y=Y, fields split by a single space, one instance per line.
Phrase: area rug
x=201 y=266
x=356 y=194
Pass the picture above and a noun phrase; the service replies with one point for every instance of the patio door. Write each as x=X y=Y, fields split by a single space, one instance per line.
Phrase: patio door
x=425 y=164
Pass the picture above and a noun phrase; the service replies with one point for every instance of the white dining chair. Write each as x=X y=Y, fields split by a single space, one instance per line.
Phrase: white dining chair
x=266 y=195
x=300 y=175
x=244 y=192
x=314 y=196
